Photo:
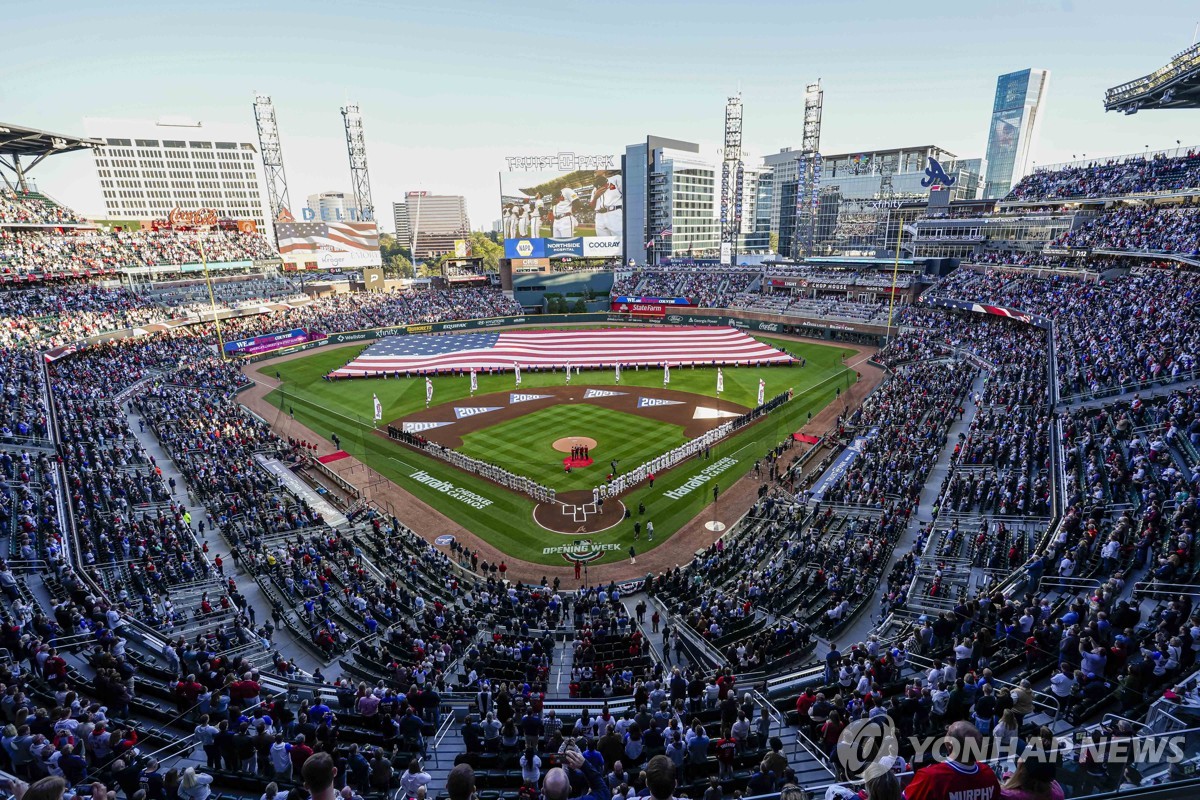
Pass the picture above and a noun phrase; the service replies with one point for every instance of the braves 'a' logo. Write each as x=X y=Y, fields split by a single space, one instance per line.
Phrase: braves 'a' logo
x=935 y=174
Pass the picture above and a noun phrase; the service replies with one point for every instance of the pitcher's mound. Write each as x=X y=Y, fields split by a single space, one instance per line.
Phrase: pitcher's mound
x=565 y=444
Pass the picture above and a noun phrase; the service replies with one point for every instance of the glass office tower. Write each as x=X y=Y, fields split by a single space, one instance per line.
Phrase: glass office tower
x=1016 y=112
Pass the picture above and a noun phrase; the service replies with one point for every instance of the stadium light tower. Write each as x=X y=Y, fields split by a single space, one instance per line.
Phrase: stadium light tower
x=731 y=179
x=356 y=146
x=272 y=157
x=808 y=190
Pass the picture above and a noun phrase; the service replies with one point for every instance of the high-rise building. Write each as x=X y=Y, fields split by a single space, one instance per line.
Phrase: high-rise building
x=150 y=167
x=855 y=189
x=403 y=229
x=333 y=207
x=1016 y=116
x=438 y=220
x=670 y=201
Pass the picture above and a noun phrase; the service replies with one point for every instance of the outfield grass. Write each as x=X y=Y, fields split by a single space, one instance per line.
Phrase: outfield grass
x=345 y=408
x=525 y=445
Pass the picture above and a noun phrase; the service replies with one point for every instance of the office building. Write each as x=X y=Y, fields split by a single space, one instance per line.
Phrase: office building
x=670 y=201
x=333 y=207
x=151 y=167
x=854 y=191
x=403 y=229
x=1016 y=116
x=435 y=220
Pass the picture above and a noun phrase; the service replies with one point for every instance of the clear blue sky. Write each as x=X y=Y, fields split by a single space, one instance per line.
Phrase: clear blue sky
x=449 y=88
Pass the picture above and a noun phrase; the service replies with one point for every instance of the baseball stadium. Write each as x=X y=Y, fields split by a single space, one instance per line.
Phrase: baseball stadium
x=661 y=471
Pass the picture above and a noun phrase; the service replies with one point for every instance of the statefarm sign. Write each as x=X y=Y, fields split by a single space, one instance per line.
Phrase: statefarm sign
x=641 y=309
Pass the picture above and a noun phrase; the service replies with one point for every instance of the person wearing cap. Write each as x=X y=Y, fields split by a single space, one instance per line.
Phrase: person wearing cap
x=607 y=200
x=564 y=214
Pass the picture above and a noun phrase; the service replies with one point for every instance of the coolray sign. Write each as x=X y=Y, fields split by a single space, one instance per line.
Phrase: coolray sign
x=520 y=397
x=563 y=161
x=701 y=478
x=450 y=490
x=600 y=247
x=471 y=411
x=650 y=402
x=584 y=551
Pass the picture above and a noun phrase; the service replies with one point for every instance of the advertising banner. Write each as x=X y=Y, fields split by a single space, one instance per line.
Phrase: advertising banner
x=564 y=248
x=328 y=245
x=524 y=248
x=575 y=214
x=667 y=301
x=271 y=341
x=373 y=278
x=640 y=309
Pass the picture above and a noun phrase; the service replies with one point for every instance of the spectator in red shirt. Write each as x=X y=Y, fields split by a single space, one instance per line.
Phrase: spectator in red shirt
x=952 y=779
x=299 y=754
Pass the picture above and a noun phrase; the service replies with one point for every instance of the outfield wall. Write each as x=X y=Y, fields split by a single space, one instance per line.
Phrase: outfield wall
x=752 y=321
x=755 y=323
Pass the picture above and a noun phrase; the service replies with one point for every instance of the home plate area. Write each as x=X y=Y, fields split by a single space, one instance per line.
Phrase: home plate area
x=574 y=512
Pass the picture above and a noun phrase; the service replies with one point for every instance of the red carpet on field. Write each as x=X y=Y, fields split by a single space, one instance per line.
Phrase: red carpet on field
x=335 y=456
x=805 y=438
x=577 y=463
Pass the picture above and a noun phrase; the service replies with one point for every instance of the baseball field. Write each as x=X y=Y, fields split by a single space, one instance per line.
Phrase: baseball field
x=529 y=430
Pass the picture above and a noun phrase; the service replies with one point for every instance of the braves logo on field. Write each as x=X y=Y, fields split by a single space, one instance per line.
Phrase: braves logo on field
x=649 y=402
x=935 y=174
x=593 y=393
x=471 y=411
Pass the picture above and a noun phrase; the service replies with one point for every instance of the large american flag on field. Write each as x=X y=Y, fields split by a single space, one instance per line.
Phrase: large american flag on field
x=584 y=348
x=312 y=237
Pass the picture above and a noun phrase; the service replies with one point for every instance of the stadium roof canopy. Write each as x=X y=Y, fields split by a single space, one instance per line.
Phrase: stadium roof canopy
x=17 y=142
x=1177 y=85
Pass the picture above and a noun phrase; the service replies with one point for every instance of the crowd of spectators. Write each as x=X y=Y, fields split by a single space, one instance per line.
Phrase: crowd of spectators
x=1112 y=178
x=31 y=208
x=1158 y=229
x=69 y=252
x=1139 y=327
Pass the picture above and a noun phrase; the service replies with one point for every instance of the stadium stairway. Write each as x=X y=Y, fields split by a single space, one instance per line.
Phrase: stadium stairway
x=866 y=622
x=287 y=646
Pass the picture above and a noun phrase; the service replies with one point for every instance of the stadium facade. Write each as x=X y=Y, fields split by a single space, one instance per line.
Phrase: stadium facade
x=1016 y=116
x=150 y=167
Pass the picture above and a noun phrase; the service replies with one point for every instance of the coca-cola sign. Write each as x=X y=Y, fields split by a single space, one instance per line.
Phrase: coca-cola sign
x=198 y=218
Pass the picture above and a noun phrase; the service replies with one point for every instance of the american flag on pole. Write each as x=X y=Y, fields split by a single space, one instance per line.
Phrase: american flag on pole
x=664 y=233
x=698 y=346
x=428 y=391
x=720 y=381
x=378 y=408
x=762 y=391
x=474 y=382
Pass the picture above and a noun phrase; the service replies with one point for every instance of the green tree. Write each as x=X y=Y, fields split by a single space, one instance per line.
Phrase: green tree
x=491 y=252
x=773 y=242
x=580 y=306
